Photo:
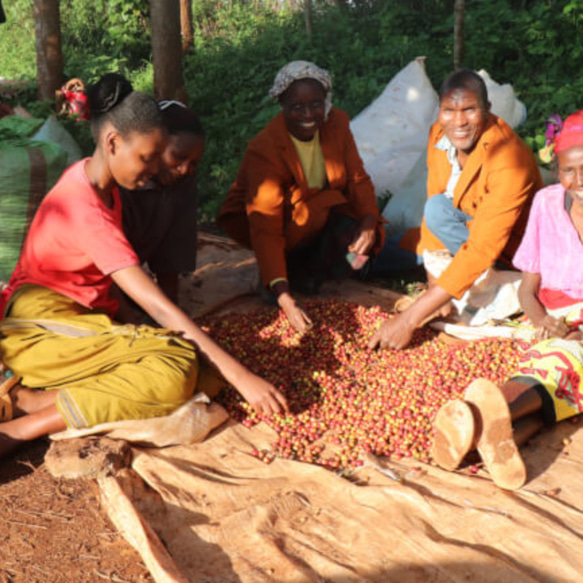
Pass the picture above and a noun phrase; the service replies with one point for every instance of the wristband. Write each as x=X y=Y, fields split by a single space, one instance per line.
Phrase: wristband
x=276 y=280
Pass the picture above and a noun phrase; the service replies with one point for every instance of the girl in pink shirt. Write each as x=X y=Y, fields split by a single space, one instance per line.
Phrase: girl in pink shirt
x=73 y=365
x=547 y=386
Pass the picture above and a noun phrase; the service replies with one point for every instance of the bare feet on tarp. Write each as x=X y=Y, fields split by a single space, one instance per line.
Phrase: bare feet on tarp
x=482 y=421
x=35 y=414
x=26 y=401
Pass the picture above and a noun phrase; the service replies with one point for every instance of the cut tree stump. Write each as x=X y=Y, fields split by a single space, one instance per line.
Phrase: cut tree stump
x=87 y=457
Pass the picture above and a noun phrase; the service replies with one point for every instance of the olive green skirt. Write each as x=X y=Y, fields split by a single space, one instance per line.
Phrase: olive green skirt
x=103 y=371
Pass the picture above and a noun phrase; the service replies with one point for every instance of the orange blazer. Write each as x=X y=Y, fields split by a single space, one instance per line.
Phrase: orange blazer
x=270 y=207
x=496 y=187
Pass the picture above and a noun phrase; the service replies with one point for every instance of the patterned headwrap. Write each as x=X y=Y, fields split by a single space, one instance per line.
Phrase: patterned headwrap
x=562 y=135
x=297 y=70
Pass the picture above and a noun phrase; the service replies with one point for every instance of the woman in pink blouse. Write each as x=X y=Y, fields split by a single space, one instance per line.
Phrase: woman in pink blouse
x=546 y=388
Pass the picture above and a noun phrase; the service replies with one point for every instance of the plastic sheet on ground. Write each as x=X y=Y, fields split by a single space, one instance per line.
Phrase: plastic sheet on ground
x=224 y=516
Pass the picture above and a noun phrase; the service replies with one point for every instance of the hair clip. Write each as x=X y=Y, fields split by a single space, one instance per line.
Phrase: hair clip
x=166 y=103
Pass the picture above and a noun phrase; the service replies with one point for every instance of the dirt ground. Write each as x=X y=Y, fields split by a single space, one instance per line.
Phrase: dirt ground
x=54 y=531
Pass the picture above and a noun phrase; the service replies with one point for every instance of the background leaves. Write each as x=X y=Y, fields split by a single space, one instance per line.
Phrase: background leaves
x=536 y=45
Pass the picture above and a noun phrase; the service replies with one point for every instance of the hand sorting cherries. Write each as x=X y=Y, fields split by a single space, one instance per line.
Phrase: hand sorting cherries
x=345 y=399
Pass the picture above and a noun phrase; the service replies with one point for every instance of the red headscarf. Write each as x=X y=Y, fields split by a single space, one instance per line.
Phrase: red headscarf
x=571 y=133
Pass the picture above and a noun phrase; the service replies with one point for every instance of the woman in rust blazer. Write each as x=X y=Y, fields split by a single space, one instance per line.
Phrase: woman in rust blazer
x=302 y=199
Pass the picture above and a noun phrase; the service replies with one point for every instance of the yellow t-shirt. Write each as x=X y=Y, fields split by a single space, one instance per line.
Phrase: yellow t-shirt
x=312 y=160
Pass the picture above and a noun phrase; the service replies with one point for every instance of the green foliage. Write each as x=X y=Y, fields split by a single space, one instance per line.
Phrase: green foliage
x=17 y=48
x=232 y=69
x=116 y=28
x=536 y=45
x=537 y=50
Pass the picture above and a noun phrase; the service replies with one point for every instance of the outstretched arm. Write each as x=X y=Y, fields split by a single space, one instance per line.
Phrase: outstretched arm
x=260 y=394
x=398 y=331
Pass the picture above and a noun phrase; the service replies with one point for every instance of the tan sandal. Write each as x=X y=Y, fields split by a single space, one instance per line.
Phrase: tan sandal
x=6 y=409
x=454 y=432
x=405 y=302
x=496 y=444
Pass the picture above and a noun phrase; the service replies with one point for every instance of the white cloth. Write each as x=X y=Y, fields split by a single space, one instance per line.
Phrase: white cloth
x=494 y=295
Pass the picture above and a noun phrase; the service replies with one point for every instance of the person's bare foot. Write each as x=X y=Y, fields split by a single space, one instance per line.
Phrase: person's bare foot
x=445 y=311
x=26 y=401
x=495 y=440
x=7 y=386
x=454 y=432
x=16 y=400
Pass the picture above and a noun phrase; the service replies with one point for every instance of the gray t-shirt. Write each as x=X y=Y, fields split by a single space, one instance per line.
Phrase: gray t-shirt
x=456 y=170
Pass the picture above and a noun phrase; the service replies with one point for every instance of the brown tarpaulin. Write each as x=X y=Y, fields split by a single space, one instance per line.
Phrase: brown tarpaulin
x=211 y=512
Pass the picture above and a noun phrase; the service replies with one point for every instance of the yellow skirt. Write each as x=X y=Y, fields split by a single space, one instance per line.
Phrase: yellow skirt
x=103 y=371
x=555 y=368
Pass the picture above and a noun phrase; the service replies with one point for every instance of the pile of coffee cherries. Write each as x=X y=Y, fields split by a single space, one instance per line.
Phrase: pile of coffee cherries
x=345 y=399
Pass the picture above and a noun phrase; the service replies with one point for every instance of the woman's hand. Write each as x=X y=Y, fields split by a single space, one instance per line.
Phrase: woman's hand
x=365 y=237
x=550 y=327
x=546 y=326
x=261 y=395
x=575 y=335
x=294 y=312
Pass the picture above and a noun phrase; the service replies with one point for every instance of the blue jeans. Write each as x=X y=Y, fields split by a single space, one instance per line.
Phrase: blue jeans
x=393 y=258
x=446 y=222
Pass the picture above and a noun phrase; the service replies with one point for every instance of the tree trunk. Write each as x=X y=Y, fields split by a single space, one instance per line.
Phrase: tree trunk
x=186 y=25
x=458 y=33
x=309 y=17
x=49 y=56
x=166 y=49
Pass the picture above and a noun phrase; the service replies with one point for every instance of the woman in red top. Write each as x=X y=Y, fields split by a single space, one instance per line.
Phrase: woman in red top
x=58 y=334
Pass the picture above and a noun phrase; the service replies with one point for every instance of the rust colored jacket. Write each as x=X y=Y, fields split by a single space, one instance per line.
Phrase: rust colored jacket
x=270 y=207
x=496 y=187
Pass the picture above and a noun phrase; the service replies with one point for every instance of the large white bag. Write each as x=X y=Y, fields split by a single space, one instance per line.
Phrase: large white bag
x=504 y=101
x=391 y=133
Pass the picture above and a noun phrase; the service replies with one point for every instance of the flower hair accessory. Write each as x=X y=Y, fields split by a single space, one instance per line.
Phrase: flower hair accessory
x=554 y=127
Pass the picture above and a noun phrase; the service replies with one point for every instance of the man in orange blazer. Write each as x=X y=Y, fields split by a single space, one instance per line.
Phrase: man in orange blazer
x=482 y=178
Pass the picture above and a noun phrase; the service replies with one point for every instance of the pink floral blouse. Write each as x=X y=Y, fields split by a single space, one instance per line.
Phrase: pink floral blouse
x=551 y=245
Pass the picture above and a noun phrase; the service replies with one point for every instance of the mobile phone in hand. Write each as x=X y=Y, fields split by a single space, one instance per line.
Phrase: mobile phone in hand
x=356 y=260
